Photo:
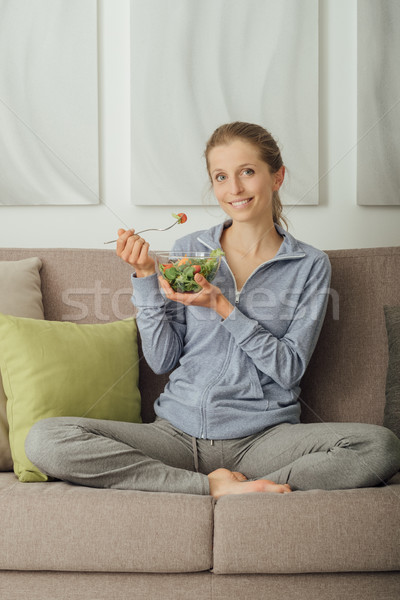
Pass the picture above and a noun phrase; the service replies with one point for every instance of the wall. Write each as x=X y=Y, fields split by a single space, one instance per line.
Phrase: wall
x=338 y=222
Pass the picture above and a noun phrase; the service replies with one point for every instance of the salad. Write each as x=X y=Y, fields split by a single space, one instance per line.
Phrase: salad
x=180 y=272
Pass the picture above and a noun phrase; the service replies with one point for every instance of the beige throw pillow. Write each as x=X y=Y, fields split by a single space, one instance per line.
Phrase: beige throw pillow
x=20 y=296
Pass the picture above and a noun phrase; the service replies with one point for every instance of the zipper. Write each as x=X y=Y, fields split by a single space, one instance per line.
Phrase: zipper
x=268 y=262
x=237 y=292
x=205 y=393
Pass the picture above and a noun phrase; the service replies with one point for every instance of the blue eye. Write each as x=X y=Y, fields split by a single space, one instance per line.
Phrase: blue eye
x=248 y=171
x=220 y=177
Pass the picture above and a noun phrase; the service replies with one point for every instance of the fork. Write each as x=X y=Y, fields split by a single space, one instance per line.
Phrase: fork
x=143 y=230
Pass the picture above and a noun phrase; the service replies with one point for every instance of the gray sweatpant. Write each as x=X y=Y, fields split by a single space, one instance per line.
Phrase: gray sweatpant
x=158 y=457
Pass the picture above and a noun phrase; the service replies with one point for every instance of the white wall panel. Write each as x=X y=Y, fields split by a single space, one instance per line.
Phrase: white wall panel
x=378 y=102
x=48 y=102
x=198 y=64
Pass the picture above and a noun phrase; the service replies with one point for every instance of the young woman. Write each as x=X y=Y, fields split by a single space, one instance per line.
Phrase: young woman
x=228 y=420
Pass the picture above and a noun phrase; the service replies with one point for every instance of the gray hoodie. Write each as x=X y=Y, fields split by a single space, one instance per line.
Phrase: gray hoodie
x=234 y=377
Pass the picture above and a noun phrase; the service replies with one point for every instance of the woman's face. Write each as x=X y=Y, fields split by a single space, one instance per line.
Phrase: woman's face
x=242 y=182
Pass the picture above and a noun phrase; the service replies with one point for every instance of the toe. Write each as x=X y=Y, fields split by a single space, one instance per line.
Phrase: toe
x=239 y=476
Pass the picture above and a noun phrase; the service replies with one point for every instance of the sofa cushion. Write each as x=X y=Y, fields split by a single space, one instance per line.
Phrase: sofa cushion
x=60 y=526
x=392 y=407
x=345 y=379
x=55 y=369
x=62 y=585
x=309 y=531
x=21 y=296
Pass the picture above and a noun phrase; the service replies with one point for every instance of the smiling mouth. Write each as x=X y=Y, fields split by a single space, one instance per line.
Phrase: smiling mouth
x=237 y=203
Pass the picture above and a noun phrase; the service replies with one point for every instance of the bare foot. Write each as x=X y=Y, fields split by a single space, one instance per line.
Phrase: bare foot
x=224 y=482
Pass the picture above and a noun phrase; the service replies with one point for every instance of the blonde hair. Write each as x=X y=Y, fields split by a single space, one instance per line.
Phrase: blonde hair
x=268 y=151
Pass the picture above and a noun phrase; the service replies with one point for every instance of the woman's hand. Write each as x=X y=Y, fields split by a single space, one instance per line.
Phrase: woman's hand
x=210 y=296
x=134 y=250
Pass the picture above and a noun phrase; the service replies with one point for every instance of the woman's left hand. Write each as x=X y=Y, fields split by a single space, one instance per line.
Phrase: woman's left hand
x=210 y=296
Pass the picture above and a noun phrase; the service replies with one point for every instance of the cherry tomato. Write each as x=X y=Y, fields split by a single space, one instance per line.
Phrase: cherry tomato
x=183 y=217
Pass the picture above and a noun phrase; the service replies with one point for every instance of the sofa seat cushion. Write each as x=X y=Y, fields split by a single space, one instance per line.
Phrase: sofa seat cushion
x=58 y=526
x=309 y=531
x=55 y=585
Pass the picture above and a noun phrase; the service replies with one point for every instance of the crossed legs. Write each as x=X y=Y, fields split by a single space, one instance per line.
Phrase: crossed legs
x=159 y=457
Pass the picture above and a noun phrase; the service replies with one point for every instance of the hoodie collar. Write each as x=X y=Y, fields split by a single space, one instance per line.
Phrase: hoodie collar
x=290 y=246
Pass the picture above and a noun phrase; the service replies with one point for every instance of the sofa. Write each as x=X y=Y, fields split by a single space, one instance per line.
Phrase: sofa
x=60 y=540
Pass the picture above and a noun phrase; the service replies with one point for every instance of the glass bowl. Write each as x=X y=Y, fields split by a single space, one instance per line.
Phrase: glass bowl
x=179 y=268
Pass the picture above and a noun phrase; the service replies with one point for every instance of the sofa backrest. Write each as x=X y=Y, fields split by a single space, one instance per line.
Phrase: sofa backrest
x=345 y=380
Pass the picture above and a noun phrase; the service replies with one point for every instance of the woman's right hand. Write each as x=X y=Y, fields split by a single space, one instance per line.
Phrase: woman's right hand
x=134 y=250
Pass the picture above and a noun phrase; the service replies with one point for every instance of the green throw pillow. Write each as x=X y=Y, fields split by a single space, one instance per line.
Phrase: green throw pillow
x=391 y=418
x=54 y=368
